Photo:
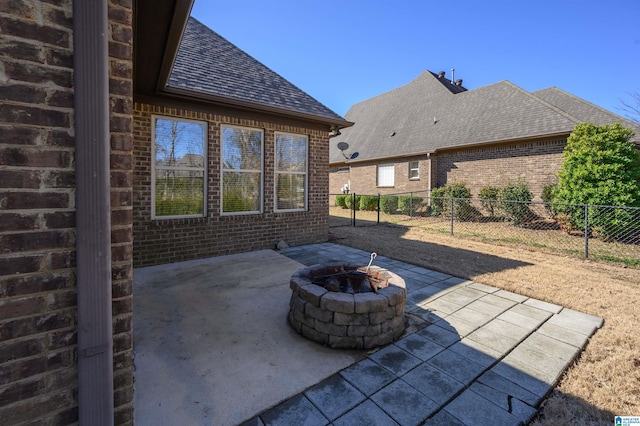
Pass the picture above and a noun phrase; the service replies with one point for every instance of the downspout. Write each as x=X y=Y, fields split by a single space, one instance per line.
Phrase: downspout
x=93 y=215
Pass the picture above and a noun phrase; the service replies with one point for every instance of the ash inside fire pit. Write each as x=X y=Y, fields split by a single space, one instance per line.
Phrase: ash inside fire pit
x=350 y=281
x=346 y=306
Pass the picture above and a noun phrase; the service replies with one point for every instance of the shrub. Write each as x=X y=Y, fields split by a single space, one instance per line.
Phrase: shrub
x=515 y=201
x=488 y=198
x=341 y=201
x=389 y=204
x=368 y=202
x=601 y=166
x=409 y=204
x=440 y=200
x=348 y=202
x=437 y=201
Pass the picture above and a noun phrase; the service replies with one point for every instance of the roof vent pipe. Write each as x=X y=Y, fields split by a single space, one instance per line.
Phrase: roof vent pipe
x=459 y=82
x=453 y=71
x=441 y=74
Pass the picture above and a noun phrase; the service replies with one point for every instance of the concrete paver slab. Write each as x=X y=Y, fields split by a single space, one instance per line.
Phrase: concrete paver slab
x=405 y=404
x=472 y=409
x=531 y=311
x=443 y=418
x=395 y=359
x=334 y=396
x=433 y=383
x=497 y=382
x=519 y=319
x=562 y=334
x=514 y=406
x=419 y=347
x=496 y=341
x=551 y=346
x=457 y=366
x=440 y=335
x=367 y=376
x=365 y=414
x=545 y=306
x=295 y=411
x=577 y=321
x=476 y=352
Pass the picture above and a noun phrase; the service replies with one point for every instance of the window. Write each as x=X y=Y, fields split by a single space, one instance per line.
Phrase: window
x=414 y=170
x=241 y=170
x=386 y=175
x=291 y=172
x=178 y=158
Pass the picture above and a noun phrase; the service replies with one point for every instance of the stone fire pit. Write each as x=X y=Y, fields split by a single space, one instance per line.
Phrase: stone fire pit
x=341 y=306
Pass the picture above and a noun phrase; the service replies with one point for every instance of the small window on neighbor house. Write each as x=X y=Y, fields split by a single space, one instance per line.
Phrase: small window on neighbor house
x=241 y=170
x=386 y=175
x=414 y=170
x=179 y=168
x=291 y=172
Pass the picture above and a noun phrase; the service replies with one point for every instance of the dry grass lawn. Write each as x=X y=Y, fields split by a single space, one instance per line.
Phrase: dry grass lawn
x=605 y=381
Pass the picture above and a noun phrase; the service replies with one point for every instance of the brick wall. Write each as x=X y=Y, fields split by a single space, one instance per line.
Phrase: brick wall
x=38 y=374
x=121 y=140
x=363 y=177
x=536 y=163
x=173 y=240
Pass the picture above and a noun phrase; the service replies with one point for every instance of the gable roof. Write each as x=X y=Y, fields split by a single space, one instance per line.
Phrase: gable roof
x=210 y=67
x=425 y=116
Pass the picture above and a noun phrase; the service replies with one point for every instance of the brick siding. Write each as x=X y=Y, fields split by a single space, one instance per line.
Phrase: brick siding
x=173 y=240
x=38 y=373
x=535 y=162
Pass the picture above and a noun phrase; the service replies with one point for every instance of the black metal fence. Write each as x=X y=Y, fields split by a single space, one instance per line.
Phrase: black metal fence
x=610 y=233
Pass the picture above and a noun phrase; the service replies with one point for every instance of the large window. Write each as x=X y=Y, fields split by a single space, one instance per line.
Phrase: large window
x=241 y=170
x=291 y=172
x=414 y=170
x=178 y=159
x=386 y=175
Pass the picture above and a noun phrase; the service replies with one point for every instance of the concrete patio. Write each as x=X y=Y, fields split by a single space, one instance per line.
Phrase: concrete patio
x=212 y=347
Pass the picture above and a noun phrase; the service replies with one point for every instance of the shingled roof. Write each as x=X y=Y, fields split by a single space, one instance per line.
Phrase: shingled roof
x=425 y=116
x=210 y=66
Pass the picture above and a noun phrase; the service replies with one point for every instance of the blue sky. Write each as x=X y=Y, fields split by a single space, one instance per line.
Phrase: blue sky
x=342 y=52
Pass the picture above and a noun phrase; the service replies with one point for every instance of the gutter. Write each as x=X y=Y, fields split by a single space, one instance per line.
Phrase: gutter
x=93 y=213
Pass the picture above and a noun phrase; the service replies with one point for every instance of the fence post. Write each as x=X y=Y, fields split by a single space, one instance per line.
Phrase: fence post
x=353 y=206
x=378 y=208
x=586 y=231
x=451 y=199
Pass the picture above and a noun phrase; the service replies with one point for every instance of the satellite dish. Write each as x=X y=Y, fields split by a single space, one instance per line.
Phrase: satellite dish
x=354 y=155
x=342 y=146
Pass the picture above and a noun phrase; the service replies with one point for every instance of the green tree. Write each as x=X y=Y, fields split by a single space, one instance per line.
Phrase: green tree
x=601 y=166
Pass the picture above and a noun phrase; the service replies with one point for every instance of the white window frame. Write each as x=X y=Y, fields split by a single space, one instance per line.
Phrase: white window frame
x=154 y=167
x=385 y=175
x=277 y=172
x=223 y=169
x=416 y=169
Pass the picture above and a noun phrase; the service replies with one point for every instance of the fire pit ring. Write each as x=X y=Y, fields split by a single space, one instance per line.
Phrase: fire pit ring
x=355 y=318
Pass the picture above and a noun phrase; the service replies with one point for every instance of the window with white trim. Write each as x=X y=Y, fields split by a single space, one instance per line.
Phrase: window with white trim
x=178 y=186
x=386 y=175
x=242 y=170
x=414 y=170
x=291 y=172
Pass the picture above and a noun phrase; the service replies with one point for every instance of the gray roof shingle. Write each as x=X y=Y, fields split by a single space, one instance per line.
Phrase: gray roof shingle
x=425 y=116
x=208 y=64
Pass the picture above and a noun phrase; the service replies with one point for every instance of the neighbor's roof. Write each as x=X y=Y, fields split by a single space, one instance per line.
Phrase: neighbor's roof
x=210 y=66
x=425 y=116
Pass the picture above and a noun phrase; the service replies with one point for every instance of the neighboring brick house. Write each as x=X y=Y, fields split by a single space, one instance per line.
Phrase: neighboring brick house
x=80 y=84
x=433 y=131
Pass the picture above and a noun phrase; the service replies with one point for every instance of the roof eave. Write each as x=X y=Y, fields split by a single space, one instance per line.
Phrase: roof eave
x=186 y=94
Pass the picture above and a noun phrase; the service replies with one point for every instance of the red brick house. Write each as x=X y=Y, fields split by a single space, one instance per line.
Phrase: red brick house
x=434 y=131
x=118 y=149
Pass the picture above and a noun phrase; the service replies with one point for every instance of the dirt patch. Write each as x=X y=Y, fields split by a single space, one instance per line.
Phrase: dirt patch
x=606 y=379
